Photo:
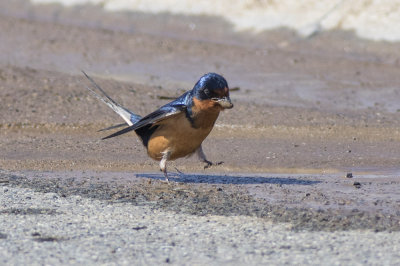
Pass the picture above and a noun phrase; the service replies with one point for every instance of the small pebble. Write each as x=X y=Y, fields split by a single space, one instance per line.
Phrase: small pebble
x=349 y=175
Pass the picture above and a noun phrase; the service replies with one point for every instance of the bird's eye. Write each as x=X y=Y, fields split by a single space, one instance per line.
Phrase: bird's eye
x=215 y=99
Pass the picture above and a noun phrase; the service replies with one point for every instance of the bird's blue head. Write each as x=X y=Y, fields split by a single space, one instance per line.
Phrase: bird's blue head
x=213 y=87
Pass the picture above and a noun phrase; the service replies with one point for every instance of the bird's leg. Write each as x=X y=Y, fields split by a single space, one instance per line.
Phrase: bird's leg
x=203 y=158
x=163 y=163
x=179 y=171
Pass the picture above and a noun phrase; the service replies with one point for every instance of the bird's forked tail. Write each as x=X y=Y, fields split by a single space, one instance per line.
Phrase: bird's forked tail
x=129 y=117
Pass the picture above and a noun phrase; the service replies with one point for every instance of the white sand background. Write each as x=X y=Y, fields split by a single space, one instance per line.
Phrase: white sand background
x=377 y=20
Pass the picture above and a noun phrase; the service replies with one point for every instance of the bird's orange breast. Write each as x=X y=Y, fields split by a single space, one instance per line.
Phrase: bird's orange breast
x=179 y=136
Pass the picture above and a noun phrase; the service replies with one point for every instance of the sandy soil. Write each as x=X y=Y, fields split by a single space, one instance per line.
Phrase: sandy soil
x=307 y=113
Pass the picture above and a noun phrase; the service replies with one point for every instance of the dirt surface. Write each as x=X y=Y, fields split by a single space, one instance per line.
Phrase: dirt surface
x=307 y=112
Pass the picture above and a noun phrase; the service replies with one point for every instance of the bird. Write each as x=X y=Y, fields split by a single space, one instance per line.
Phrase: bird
x=178 y=128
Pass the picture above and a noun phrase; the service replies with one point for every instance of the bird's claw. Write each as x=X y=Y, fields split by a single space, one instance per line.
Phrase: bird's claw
x=209 y=164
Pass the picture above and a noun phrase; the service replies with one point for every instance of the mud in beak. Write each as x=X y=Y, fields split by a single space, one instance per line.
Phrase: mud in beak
x=225 y=103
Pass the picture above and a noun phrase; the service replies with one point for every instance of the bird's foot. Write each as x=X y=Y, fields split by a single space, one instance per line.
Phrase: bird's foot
x=209 y=164
x=165 y=175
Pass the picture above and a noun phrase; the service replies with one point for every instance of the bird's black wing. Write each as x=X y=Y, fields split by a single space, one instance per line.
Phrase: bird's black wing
x=171 y=109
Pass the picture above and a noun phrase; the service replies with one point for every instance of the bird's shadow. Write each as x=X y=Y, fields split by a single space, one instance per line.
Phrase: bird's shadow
x=228 y=179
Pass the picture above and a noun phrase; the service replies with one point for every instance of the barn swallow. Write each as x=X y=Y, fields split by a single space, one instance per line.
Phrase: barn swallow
x=178 y=128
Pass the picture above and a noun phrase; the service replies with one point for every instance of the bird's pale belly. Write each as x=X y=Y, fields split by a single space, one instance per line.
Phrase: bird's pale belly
x=177 y=137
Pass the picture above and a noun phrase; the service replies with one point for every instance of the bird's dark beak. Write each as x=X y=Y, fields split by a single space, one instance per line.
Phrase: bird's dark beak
x=225 y=102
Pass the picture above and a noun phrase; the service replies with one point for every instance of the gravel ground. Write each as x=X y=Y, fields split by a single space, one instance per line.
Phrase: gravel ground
x=51 y=218
x=46 y=228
